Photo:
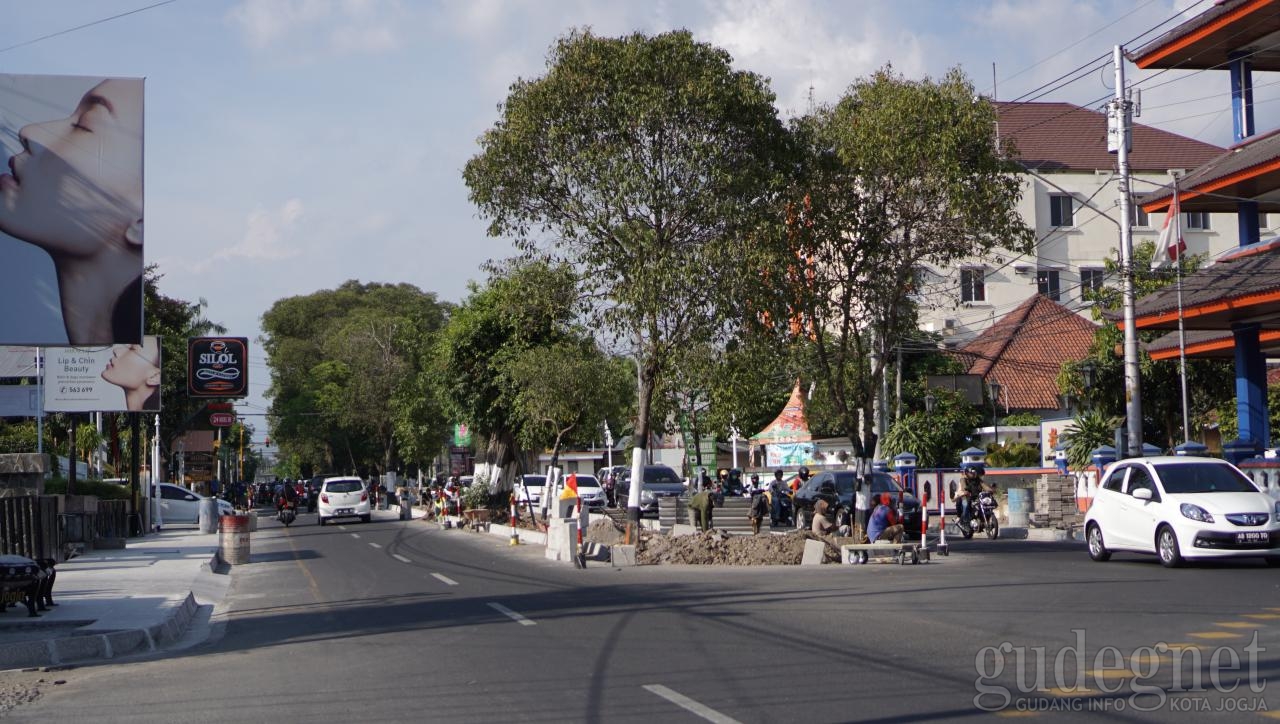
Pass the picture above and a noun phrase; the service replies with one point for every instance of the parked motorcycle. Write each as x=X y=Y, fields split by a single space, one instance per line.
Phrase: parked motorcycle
x=982 y=517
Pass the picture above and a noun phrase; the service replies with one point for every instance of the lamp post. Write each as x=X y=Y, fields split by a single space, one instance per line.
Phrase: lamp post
x=994 y=388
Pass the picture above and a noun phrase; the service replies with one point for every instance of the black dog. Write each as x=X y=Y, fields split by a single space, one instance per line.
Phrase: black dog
x=44 y=597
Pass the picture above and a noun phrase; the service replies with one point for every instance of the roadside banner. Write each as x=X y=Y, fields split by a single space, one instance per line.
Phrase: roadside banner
x=119 y=378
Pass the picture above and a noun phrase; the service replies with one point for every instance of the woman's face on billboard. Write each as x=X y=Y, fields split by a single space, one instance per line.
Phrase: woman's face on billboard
x=134 y=366
x=78 y=181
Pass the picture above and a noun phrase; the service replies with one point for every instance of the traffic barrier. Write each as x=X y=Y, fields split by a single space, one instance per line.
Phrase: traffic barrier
x=233 y=547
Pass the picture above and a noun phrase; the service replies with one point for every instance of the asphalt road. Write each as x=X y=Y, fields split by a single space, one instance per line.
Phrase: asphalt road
x=401 y=621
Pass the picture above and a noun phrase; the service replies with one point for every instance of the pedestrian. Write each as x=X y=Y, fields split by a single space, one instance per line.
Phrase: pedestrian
x=884 y=523
x=861 y=508
x=759 y=509
x=700 y=507
x=824 y=509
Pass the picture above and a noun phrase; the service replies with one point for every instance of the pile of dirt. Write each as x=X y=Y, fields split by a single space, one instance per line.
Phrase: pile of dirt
x=719 y=548
x=604 y=531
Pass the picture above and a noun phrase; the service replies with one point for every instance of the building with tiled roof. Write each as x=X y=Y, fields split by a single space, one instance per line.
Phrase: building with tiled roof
x=1071 y=201
x=1024 y=351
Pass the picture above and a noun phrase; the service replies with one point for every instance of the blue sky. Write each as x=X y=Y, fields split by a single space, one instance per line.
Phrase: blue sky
x=295 y=144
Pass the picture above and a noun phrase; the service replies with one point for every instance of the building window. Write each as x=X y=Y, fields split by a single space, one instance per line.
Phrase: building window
x=1061 y=210
x=1047 y=283
x=1140 y=218
x=1196 y=220
x=1090 y=281
x=972 y=286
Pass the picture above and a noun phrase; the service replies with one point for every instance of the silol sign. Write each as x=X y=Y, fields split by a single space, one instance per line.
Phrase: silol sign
x=218 y=366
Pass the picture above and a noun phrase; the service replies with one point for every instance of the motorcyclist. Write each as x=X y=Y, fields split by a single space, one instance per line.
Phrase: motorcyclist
x=777 y=490
x=802 y=477
x=968 y=492
x=288 y=496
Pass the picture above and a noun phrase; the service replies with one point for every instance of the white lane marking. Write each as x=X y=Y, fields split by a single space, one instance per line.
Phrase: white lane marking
x=375 y=545
x=355 y=535
x=400 y=558
x=342 y=527
x=688 y=704
x=444 y=579
x=511 y=614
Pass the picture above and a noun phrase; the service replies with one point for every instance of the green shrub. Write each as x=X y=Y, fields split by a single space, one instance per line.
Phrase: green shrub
x=105 y=491
x=475 y=497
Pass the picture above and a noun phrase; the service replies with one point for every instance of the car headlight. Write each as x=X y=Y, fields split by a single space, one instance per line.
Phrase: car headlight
x=1195 y=512
x=646 y=496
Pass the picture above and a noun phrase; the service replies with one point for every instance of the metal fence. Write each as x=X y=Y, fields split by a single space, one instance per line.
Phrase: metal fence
x=112 y=520
x=29 y=527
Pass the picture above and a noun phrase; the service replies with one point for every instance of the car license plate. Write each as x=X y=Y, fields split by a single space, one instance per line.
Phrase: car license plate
x=342 y=511
x=1254 y=537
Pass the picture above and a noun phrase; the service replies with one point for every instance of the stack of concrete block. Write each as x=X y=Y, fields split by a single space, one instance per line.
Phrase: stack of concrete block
x=1056 y=501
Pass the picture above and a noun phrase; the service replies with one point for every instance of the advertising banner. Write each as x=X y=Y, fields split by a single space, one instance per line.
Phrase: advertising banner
x=119 y=378
x=218 y=366
x=19 y=401
x=17 y=362
x=71 y=206
x=790 y=454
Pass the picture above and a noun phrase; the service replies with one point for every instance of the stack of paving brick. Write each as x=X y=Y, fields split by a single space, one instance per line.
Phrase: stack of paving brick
x=1056 y=501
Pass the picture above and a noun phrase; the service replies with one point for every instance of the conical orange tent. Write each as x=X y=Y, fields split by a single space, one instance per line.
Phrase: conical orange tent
x=789 y=426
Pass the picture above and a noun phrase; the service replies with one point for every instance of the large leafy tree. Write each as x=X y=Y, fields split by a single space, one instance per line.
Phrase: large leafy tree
x=1210 y=383
x=897 y=174
x=644 y=163
x=340 y=359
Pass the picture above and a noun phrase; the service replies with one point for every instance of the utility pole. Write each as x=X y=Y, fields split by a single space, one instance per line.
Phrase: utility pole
x=1118 y=137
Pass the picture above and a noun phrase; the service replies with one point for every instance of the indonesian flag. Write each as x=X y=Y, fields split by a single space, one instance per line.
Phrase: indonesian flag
x=1169 y=245
x=570 y=487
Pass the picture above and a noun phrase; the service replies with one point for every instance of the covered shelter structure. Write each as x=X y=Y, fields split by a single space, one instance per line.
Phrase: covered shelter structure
x=1239 y=296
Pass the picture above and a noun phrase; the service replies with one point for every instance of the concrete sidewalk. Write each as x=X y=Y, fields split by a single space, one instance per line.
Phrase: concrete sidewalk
x=118 y=602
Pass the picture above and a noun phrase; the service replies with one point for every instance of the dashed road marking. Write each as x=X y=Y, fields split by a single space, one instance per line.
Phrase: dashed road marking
x=511 y=614
x=1235 y=624
x=355 y=535
x=444 y=579
x=342 y=527
x=1215 y=635
x=1263 y=616
x=688 y=704
x=375 y=545
x=1070 y=691
x=400 y=558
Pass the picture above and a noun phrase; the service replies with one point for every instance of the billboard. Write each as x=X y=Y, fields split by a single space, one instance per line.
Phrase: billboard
x=218 y=367
x=71 y=210
x=17 y=362
x=119 y=378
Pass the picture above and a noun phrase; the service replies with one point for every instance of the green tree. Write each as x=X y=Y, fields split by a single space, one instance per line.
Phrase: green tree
x=1210 y=383
x=874 y=198
x=523 y=307
x=936 y=438
x=339 y=360
x=1089 y=431
x=645 y=163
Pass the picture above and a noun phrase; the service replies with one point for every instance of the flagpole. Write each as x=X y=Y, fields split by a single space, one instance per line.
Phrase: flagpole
x=1182 y=338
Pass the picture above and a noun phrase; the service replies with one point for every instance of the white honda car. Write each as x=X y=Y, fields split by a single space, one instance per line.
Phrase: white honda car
x=1182 y=508
x=343 y=497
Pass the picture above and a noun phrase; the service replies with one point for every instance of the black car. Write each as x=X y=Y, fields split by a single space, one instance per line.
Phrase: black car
x=845 y=481
x=659 y=481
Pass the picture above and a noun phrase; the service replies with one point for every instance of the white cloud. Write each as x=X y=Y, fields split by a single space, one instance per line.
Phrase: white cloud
x=802 y=48
x=341 y=26
x=266 y=237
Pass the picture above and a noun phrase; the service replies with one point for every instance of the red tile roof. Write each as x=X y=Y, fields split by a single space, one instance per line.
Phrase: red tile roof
x=1025 y=349
x=1063 y=136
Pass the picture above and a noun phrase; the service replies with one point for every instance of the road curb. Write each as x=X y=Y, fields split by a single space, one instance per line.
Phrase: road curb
x=97 y=645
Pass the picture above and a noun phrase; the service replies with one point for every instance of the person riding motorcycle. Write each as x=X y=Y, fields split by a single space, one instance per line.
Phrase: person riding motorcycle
x=968 y=492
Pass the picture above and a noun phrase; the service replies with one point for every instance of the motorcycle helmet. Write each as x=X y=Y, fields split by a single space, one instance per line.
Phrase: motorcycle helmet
x=804 y=473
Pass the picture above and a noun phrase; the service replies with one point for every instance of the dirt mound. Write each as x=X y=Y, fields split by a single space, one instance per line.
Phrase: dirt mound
x=720 y=548
x=604 y=531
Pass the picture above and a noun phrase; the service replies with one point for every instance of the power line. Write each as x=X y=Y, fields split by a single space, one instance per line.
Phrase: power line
x=33 y=41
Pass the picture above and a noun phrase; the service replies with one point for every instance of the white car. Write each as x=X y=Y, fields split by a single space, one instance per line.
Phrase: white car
x=531 y=487
x=590 y=492
x=343 y=497
x=179 y=505
x=1182 y=508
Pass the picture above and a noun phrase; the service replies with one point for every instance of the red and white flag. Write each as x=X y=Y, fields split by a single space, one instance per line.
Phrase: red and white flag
x=1169 y=245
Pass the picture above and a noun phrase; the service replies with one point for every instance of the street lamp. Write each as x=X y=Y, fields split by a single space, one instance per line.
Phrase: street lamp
x=1087 y=375
x=994 y=388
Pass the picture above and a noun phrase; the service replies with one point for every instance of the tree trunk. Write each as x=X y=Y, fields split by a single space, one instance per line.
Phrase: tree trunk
x=646 y=375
